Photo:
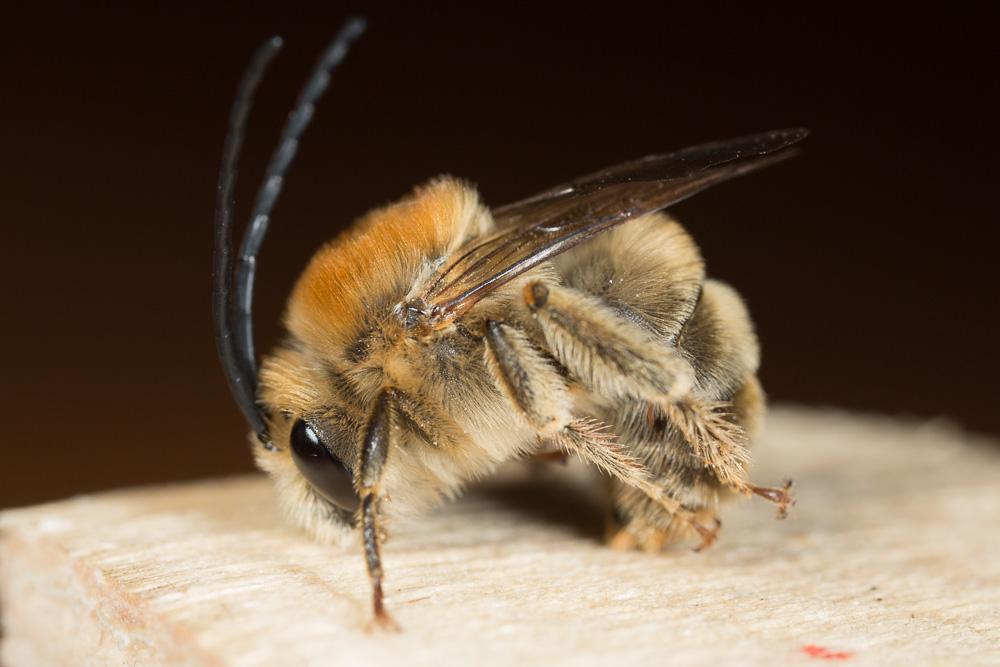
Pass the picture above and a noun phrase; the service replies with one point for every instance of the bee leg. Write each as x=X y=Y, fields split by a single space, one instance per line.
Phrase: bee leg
x=714 y=437
x=614 y=357
x=782 y=497
x=623 y=539
x=638 y=534
x=539 y=394
x=590 y=440
x=720 y=442
x=374 y=451
x=526 y=378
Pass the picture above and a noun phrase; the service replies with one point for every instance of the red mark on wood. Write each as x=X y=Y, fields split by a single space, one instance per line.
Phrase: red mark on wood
x=824 y=653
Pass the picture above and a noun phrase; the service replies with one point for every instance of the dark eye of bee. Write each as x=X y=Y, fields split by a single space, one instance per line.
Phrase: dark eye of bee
x=325 y=472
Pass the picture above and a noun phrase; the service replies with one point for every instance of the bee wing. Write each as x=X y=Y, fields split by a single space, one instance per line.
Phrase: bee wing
x=542 y=226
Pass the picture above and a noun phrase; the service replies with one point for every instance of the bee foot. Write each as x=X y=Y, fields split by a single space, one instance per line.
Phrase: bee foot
x=382 y=621
x=623 y=540
x=708 y=535
x=782 y=497
x=655 y=541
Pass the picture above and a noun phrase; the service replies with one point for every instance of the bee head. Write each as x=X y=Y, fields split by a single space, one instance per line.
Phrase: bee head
x=320 y=387
x=311 y=451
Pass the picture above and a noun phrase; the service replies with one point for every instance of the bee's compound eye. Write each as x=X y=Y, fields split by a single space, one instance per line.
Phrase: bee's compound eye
x=325 y=472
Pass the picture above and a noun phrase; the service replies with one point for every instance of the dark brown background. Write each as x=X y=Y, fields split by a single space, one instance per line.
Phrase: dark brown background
x=868 y=262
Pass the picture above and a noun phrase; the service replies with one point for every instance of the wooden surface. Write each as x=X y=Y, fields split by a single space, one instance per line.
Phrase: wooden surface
x=892 y=556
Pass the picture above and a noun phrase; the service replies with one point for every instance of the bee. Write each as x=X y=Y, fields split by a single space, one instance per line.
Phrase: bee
x=437 y=338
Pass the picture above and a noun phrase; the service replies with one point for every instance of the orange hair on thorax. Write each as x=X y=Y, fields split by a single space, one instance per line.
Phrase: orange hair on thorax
x=386 y=248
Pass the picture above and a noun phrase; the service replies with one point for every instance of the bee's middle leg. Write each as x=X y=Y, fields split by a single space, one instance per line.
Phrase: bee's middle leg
x=540 y=395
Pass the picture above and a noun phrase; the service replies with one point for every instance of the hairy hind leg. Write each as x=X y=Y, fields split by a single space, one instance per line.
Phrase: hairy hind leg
x=615 y=358
x=719 y=341
x=748 y=408
x=539 y=394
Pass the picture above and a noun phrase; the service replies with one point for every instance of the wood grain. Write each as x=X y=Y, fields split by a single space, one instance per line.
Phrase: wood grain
x=892 y=556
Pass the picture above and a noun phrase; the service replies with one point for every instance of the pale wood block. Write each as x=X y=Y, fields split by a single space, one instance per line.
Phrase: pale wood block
x=892 y=556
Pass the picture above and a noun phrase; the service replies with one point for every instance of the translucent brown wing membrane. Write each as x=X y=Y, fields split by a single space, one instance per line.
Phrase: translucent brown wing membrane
x=549 y=223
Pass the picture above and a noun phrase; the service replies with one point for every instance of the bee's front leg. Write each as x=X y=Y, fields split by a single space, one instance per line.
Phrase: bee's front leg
x=374 y=451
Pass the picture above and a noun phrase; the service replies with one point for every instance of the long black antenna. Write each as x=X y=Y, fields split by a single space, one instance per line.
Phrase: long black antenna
x=232 y=304
x=274 y=179
x=242 y=382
